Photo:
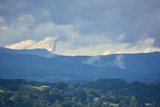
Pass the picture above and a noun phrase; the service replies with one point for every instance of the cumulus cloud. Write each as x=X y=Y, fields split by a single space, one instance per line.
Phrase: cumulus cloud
x=48 y=43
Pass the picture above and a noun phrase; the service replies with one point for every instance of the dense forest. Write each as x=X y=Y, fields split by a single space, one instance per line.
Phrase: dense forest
x=100 y=93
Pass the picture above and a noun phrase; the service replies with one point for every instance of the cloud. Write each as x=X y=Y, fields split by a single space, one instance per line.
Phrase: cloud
x=21 y=3
x=61 y=47
x=25 y=27
x=119 y=61
x=69 y=39
x=16 y=30
x=3 y=26
x=94 y=60
x=141 y=46
x=82 y=27
x=63 y=32
x=48 y=43
x=24 y=20
x=2 y=20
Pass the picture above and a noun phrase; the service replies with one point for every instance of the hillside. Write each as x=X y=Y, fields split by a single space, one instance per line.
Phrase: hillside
x=26 y=65
x=100 y=93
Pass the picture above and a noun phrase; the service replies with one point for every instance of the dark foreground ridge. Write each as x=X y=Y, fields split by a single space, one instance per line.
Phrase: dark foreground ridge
x=100 y=93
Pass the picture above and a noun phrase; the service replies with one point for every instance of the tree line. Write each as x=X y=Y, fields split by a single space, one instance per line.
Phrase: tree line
x=100 y=93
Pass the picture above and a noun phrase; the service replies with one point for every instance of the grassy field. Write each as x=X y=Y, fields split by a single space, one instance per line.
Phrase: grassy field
x=113 y=105
x=1 y=90
x=40 y=88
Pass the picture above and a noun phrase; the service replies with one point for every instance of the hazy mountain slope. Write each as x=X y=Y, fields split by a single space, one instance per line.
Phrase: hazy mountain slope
x=39 y=52
x=131 y=67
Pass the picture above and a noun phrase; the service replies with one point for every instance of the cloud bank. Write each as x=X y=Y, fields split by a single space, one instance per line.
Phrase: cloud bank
x=81 y=27
x=54 y=45
x=48 y=43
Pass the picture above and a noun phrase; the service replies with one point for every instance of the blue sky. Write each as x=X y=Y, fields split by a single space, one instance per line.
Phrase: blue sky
x=81 y=27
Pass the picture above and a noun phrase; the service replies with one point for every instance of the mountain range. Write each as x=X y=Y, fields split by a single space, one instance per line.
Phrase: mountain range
x=42 y=65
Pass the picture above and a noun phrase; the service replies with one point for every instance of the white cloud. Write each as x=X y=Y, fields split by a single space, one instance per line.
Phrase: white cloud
x=16 y=30
x=48 y=43
x=119 y=61
x=22 y=45
x=63 y=32
x=67 y=39
x=94 y=60
x=116 y=28
x=3 y=26
x=24 y=20
x=141 y=46
x=65 y=48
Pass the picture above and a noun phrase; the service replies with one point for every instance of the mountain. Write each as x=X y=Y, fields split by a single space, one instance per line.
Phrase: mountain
x=39 y=52
x=36 y=65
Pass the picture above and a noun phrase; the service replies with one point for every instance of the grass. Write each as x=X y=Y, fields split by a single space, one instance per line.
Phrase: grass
x=28 y=89
x=31 y=89
x=40 y=88
x=1 y=90
x=113 y=105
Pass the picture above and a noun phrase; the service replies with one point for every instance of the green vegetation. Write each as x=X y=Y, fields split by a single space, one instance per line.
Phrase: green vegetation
x=1 y=91
x=40 y=88
x=113 y=105
x=100 y=93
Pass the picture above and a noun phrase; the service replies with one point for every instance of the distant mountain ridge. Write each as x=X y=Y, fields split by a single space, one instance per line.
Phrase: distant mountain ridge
x=39 y=64
x=39 y=52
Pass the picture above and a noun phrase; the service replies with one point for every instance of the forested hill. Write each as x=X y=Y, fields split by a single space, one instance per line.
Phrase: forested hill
x=41 y=65
x=100 y=93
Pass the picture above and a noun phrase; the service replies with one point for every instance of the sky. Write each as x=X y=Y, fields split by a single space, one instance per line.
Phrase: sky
x=81 y=27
